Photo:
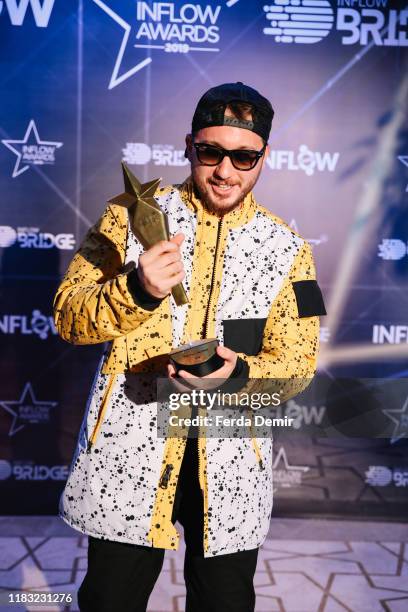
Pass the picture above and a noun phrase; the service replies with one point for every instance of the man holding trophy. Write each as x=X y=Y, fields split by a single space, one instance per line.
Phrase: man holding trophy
x=186 y=281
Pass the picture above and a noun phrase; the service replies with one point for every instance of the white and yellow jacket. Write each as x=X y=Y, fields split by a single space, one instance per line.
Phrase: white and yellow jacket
x=251 y=283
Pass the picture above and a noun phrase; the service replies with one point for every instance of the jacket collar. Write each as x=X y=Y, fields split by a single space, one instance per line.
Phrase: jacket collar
x=235 y=218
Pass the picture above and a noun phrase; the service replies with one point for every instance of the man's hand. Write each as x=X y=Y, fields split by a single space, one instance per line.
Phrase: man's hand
x=230 y=359
x=160 y=268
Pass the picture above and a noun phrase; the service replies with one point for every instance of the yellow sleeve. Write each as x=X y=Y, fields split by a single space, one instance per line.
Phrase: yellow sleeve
x=290 y=342
x=93 y=303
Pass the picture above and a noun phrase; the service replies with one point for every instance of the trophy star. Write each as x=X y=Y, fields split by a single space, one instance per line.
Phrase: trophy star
x=147 y=220
x=136 y=191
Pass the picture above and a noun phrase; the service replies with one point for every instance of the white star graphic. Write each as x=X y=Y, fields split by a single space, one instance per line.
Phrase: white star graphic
x=281 y=456
x=401 y=423
x=404 y=160
x=9 y=144
x=27 y=393
x=116 y=78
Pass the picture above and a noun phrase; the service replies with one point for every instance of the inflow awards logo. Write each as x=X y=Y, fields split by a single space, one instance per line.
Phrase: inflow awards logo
x=285 y=475
x=31 y=150
x=27 y=410
x=164 y=27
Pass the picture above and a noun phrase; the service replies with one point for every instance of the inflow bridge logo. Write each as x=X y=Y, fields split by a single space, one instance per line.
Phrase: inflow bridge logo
x=169 y=27
x=360 y=21
x=140 y=153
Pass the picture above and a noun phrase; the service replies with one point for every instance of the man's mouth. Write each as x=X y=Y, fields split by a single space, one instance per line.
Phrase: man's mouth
x=221 y=188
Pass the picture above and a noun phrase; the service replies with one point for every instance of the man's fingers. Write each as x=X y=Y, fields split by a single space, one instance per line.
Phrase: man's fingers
x=171 y=370
x=176 y=382
x=177 y=239
x=185 y=374
x=171 y=269
x=162 y=286
x=163 y=246
x=226 y=353
x=167 y=258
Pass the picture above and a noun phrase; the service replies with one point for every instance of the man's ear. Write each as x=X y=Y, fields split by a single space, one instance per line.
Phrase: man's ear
x=266 y=154
x=189 y=146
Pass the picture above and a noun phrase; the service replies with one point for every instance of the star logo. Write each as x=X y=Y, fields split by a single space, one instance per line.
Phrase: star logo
x=404 y=160
x=161 y=26
x=27 y=410
x=286 y=475
x=31 y=150
x=401 y=423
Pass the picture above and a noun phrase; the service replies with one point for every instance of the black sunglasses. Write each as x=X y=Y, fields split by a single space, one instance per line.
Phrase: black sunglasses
x=241 y=159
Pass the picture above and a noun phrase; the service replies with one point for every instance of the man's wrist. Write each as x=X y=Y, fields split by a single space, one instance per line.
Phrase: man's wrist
x=142 y=297
x=241 y=369
x=237 y=379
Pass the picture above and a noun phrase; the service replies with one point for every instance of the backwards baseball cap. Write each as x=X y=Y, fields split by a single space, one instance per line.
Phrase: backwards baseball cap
x=211 y=107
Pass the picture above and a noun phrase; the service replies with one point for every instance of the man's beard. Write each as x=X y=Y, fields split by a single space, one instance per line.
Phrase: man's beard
x=214 y=207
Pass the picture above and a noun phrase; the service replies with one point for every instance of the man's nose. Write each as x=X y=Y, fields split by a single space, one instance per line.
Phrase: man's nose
x=225 y=168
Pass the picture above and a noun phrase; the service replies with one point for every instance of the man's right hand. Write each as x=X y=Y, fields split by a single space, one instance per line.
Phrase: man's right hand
x=160 y=268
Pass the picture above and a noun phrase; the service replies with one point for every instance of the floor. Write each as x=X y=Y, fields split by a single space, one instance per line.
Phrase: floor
x=304 y=566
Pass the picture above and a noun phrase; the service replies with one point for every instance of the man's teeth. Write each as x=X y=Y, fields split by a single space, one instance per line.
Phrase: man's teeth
x=224 y=186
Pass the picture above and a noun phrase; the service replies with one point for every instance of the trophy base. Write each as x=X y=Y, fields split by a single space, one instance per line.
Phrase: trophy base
x=198 y=358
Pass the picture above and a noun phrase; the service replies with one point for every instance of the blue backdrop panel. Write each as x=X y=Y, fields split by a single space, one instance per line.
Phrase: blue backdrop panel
x=84 y=85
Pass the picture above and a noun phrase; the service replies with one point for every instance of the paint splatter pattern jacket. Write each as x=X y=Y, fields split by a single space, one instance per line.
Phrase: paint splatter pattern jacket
x=251 y=283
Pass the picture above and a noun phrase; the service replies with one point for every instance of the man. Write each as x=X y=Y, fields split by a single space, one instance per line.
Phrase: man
x=251 y=283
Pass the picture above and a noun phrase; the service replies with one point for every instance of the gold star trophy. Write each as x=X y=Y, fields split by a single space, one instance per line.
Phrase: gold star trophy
x=147 y=220
x=150 y=225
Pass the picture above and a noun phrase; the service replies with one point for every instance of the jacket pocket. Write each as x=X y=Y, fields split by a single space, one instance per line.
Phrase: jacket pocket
x=244 y=335
x=258 y=453
x=101 y=412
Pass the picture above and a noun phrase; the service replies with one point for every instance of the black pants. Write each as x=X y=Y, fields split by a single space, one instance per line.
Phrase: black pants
x=122 y=576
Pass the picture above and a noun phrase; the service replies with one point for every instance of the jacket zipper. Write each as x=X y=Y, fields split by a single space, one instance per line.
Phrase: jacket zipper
x=207 y=314
x=165 y=477
x=206 y=333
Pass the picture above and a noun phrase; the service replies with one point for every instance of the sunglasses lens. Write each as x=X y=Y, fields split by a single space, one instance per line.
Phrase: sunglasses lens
x=209 y=155
x=244 y=160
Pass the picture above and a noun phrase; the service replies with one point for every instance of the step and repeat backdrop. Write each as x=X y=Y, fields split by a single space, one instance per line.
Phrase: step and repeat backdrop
x=87 y=84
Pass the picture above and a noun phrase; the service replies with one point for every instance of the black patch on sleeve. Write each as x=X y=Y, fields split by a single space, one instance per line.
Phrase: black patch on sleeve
x=244 y=335
x=309 y=298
